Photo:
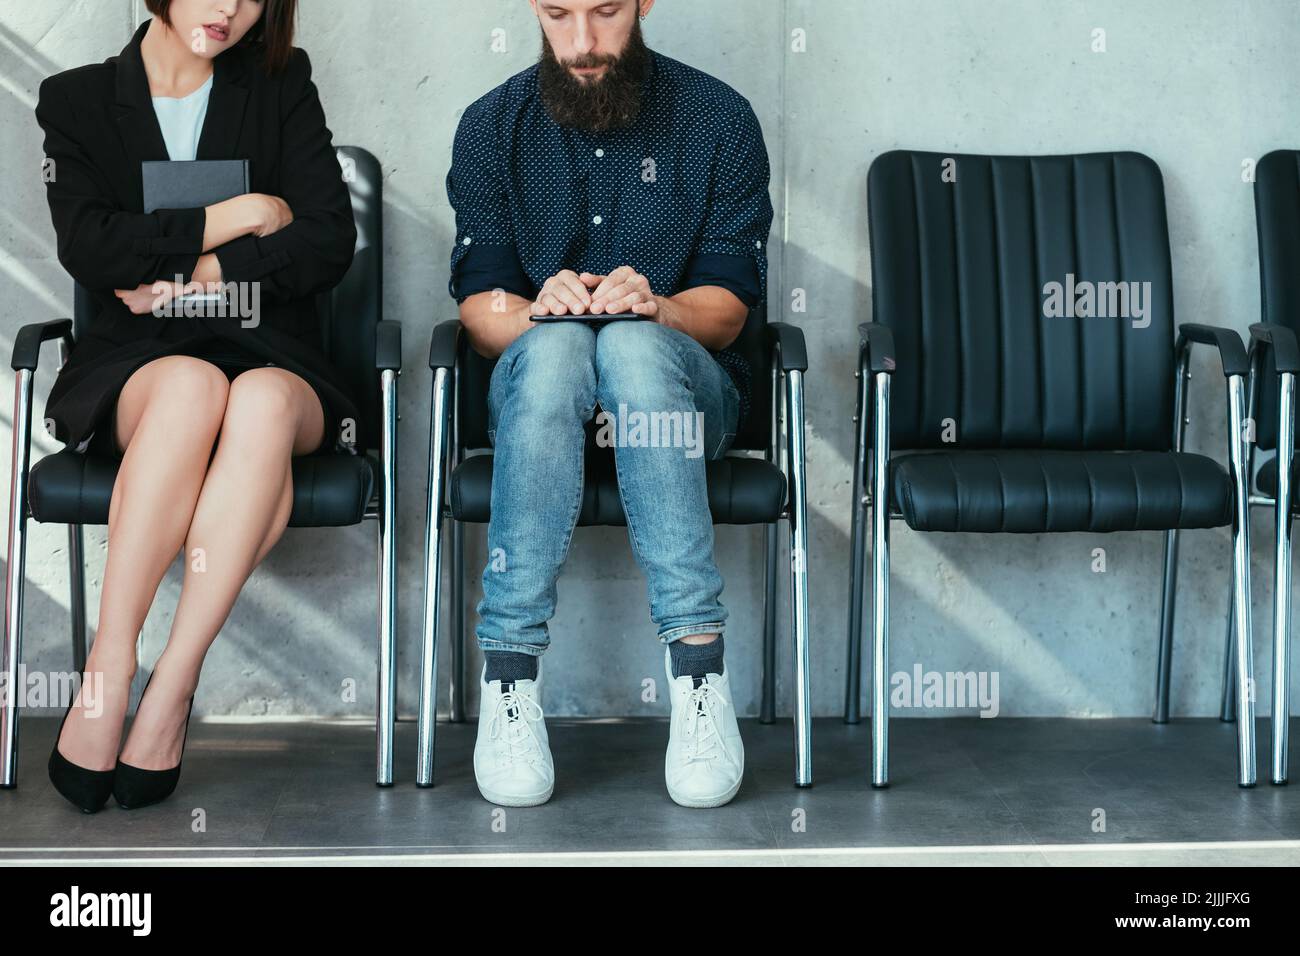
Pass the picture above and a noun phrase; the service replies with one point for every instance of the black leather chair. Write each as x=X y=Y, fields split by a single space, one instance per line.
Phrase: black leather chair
x=978 y=412
x=1275 y=361
x=742 y=490
x=329 y=489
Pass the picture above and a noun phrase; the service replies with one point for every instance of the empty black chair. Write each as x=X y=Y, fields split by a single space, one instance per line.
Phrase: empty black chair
x=1275 y=361
x=742 y=490
x=997 y=396
x=328 y=489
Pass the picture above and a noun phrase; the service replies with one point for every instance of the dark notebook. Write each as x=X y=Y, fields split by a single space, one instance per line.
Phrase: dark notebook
x=188 y=184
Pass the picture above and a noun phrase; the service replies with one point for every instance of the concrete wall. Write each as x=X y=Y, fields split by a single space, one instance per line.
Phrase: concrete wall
x=1200 y=85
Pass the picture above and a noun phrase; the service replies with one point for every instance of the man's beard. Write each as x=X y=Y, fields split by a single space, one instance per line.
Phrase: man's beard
x=597 y=105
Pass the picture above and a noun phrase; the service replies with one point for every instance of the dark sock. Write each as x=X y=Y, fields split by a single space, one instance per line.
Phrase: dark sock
x=696 y=660
x=509 y=666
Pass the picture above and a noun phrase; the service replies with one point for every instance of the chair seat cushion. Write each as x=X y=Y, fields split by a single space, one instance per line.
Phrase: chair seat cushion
x=741 y=491
x=328 y=490
x=1031 y=491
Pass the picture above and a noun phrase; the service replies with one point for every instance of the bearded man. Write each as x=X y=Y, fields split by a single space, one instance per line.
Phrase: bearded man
x=607 y=179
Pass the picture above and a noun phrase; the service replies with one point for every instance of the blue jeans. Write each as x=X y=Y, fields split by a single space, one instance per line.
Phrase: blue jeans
x=544 y=389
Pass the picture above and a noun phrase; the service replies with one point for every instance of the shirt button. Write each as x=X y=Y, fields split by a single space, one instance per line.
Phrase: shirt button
x=600 y=153
x=468 y=240
x=597 y=220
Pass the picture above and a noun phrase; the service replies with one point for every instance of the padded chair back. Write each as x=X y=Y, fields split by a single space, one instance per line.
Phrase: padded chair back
x=963 y=249
x=350 y=312
x=84 y=310
x=476 y=376
x=1277 y=219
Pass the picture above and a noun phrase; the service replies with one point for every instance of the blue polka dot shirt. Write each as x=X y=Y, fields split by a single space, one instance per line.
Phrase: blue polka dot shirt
x=681 y=195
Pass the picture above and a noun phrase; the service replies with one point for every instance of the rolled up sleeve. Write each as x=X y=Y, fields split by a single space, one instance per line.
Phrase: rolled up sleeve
x=732 y=250
x=485 y=256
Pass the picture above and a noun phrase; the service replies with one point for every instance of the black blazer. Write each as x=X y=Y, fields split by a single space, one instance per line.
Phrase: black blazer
x=99 y=126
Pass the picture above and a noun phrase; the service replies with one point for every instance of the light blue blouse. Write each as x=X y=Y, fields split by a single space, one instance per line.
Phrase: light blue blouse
x=181 y=120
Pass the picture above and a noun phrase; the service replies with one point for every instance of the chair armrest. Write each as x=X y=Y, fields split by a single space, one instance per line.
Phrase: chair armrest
x=445 y=345
x=27 y=343
x=1286 y=352
x=388 y=345
x=878 y=340
x=793 y=350
x=1232 y=354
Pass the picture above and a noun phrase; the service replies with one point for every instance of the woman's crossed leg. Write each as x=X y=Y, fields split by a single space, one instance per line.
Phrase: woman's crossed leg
x=227 y=509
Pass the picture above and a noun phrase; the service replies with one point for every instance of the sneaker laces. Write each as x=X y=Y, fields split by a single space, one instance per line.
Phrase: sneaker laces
x=511 y=721
x=701 y=723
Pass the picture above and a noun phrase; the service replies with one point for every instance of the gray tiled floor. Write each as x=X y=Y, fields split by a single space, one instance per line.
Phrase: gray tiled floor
x=963 y=790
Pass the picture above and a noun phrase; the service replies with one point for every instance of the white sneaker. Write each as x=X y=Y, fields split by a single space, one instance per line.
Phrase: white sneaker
x=706 y=759
x=512 y=755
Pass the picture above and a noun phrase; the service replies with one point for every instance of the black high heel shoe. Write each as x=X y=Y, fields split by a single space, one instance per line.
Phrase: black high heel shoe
x=134 y=787
x=88 y=790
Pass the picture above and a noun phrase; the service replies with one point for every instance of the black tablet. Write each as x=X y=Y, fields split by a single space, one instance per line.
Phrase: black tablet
x=588 y=317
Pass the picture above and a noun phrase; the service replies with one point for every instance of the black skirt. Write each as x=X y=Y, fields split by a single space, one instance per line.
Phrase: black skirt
x=83 y=399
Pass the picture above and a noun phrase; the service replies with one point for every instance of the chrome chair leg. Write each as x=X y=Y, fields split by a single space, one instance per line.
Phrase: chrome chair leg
x=387 y=704
x=798 y=492
x=857 y=559
x=771 y=554
x=15 y=577
x=1169 y=591
x=77 y=595
x=1281 y=710
x=1228 y=686
x=777 y=454
x=1164 y=658
x=438 y=440
x=880 y=497
x=1241 y=585
x=458 y=665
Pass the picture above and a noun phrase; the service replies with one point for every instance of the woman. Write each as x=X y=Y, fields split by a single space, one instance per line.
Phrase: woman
x=205 y=79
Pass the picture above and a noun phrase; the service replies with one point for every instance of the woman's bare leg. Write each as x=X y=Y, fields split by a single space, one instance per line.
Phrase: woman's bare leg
x=168 y=415
x=271 y=415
